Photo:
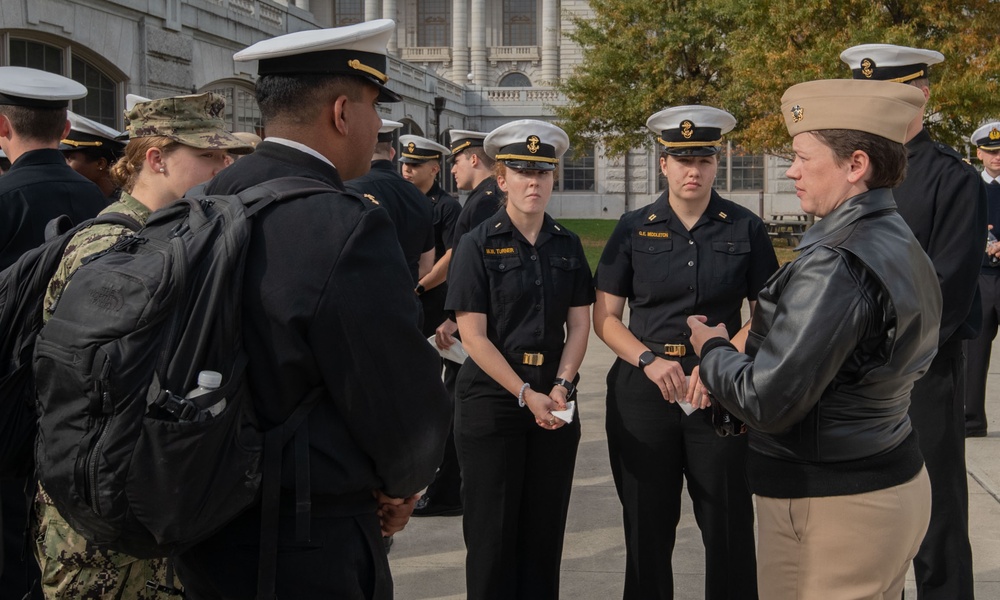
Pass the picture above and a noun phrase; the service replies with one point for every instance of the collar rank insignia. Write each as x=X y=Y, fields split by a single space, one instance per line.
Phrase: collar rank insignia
x=867 y=67
x=651 y=217
x=411 y=147
x=722 y=215
x=995 y=134
x=533 y=143
x=557 y=228
x=687 y=129
x=797 y=113
x=497 y=226
x=372 y=198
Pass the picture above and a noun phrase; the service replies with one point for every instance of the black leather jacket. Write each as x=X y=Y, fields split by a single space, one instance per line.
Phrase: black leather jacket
x=837 y=340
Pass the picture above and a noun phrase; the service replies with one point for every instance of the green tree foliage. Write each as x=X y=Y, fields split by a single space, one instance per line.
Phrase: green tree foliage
x=741 y=56
x=640 y=56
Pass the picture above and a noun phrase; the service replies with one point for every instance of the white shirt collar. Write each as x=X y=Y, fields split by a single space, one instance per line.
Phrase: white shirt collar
x=300 y=147
x=987 y=178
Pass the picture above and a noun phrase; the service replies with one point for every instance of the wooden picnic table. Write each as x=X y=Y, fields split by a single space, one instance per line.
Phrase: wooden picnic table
x=788 y=226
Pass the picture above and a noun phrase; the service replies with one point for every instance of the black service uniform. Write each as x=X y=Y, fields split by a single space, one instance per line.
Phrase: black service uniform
x=39 y=187
x=517 y=476
x=668 y=273
x=943 y=200
x=980 y=348
x=328 y=304
x=410 y=210
x=483 y=202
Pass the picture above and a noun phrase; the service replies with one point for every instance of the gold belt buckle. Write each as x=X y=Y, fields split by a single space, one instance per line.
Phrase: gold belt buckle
x=675 y=349
x=534 y=359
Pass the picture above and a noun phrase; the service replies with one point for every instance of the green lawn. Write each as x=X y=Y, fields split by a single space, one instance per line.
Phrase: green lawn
x=594 y=233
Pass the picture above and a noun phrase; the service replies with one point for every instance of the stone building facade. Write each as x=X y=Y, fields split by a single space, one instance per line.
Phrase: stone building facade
x=459 y=64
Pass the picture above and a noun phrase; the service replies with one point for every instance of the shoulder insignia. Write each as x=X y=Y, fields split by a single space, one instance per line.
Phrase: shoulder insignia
x=489 y=192
x=372 y=198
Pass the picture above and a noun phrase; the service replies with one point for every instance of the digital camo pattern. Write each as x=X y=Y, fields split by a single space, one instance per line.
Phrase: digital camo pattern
x=195 y=121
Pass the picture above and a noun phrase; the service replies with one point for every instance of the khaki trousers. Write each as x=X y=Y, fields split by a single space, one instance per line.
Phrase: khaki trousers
x=855 y=547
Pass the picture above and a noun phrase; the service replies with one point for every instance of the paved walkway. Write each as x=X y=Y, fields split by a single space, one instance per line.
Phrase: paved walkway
x=427 y=558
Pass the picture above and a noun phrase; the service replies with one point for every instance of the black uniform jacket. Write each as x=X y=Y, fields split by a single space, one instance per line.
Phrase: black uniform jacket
x=943 y=200
x=669 y=273
x=839 y=336
x=483 y=202
x=39 y=187
x=446 y=211
x=328 y=303
x=525 y=291
x=410 y=210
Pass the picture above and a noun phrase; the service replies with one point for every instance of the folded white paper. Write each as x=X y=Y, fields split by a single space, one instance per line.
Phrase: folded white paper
x=456 y=353
x=566 y=415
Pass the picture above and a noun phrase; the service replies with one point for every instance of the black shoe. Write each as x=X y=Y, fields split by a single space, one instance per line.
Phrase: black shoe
x=428 y=508
x=968 y=433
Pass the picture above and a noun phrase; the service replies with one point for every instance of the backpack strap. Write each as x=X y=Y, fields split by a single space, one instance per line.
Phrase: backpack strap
x=274 y=442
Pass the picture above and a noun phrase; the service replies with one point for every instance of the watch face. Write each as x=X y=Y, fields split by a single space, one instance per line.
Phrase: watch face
x=646 y=358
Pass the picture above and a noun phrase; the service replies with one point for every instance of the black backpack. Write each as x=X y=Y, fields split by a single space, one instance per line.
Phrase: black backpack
x=22 y=291
x=128 y=461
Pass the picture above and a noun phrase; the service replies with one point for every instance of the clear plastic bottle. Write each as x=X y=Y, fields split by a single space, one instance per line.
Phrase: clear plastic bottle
x=990 y=240
x=209 y=381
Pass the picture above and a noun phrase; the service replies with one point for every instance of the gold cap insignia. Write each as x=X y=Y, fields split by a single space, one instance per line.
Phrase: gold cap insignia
x=687 y=129
x=867 y=67
x=411 y=147
x=797 y=113
x=651 y=217
x=995 y=134
x=533 y=143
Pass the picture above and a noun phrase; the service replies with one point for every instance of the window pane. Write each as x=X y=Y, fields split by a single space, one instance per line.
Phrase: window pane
x=242 y=112
x=433 y=23
x=348 y=12
x=720 y=176
x=25 y=53
x=515 y=80
x=99 y=103
x=748 y=171
x=519 y=23
x=578 y=171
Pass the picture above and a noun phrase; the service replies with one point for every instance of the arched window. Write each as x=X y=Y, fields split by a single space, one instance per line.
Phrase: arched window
x=104 y=83
x=242 y=112
x=519 y=80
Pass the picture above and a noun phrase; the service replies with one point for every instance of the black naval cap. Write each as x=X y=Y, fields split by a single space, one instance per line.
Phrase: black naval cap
x=887 y=62
x=358 y=50
x=987 y=137
x=418 y=150
x=92 y=137
x=32 y=88
x=527 y=145
x=692 y=130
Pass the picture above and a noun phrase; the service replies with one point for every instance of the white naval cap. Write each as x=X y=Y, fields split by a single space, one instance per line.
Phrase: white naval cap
x=460 y=139
x=358 y=50
x=987 y=137
x=692 y=130
x=527 y=144
x=418 y=150
x=21 y=86
x=887 y=62
x=86 y=134
x=388 y=130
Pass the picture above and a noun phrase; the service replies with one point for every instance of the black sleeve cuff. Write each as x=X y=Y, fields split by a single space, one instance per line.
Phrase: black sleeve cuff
x=713 y=343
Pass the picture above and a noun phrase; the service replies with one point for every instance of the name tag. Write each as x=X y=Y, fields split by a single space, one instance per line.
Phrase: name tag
x=500 y=251
x=654 y=234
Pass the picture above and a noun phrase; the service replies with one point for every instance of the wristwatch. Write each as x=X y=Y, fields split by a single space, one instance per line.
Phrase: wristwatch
x=570 y=388
x=419 y=289
x=646 y=359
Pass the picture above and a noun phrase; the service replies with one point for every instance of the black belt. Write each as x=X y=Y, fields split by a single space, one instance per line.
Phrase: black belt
x=672 y=350
x=531 y=359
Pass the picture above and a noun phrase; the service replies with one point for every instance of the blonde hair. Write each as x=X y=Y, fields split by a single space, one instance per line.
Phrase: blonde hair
x=126 y=171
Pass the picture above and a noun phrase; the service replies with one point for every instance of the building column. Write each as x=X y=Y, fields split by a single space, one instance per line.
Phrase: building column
x=477 y=40
x=389 y=12
x=372 y=11
x=550 y=42
x=460 y=41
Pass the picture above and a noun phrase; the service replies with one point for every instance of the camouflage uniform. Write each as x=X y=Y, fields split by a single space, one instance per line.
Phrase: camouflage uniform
x=71 y=567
